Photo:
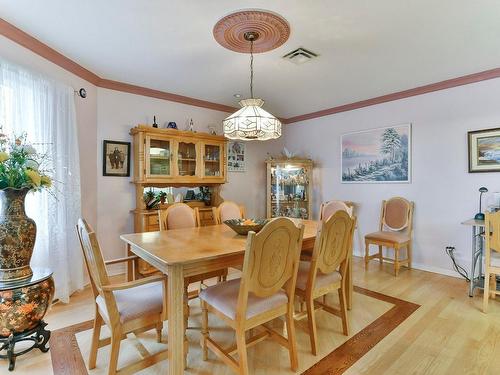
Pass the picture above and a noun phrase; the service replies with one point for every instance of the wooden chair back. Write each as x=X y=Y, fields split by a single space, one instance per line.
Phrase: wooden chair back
x=397 y=215
x=177 y=216
x=333 y=244
x=327 y=209
x=492 y=226
x=228 y=210
x=95 y=266
x=271 y=260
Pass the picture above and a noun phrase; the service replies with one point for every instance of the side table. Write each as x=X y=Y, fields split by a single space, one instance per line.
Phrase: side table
x=23 y=304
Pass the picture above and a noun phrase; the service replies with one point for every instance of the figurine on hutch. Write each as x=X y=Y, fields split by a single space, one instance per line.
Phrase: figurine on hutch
x=289 y=186
x=25 y=292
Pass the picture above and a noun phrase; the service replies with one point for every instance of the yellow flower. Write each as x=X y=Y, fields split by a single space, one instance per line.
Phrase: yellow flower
x=3 y=156
x=34 y=177
x=46 y=181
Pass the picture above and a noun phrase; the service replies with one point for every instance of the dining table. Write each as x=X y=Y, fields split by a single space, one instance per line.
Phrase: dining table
x=180 y=253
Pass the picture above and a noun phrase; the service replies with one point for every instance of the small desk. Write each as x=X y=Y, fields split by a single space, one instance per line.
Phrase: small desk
x=477 y=254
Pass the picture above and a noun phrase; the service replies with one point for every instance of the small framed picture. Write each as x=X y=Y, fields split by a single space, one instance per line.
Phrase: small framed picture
x=484 y=150
x=116 y=158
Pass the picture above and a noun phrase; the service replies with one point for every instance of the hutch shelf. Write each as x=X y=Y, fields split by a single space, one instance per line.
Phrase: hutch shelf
x=289 y=187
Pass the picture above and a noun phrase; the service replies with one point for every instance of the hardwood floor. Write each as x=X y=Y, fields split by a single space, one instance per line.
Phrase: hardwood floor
x=447 y=334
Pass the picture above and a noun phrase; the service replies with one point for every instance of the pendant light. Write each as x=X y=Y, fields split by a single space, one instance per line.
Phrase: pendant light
x=251 y=121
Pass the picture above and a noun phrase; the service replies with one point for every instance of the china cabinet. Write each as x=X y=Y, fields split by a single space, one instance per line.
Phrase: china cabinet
x=174 y=158
x=289 y=188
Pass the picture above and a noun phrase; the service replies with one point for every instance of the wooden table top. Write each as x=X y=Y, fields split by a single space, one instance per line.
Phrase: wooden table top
x=193 y=244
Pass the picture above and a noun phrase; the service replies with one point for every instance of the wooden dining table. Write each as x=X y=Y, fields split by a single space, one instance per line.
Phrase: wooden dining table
x=181 y=253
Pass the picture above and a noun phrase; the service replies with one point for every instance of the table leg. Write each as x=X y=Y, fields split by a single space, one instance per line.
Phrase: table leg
x=130 y=265
x=176 y=328
x=473 y=262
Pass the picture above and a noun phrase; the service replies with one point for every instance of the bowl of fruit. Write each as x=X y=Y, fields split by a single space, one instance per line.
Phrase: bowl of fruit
x=243 y=226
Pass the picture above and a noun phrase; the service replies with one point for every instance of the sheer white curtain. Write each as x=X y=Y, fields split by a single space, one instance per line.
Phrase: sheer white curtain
x=45 y=110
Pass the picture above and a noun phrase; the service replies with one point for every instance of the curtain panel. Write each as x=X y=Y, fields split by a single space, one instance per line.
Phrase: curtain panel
x=45 y=110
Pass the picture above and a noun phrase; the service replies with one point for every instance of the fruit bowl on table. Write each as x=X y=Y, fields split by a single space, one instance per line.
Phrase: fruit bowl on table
x=243 y=226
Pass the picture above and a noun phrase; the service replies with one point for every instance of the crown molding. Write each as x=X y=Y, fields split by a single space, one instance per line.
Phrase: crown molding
x=24 y=39
x=443 y=85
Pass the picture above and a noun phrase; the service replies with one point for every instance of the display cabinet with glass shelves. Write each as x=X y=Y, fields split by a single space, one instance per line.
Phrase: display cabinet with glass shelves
x=289 y=188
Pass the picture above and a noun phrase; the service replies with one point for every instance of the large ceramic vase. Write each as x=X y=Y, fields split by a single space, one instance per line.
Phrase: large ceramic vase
x=17 y=236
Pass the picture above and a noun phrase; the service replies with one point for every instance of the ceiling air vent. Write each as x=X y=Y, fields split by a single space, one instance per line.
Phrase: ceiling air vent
x=300 y=56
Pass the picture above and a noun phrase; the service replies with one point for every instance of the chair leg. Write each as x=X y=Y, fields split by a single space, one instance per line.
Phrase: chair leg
x=367 y=253
x=409 y=250
x=204 y=329
x=159 y=328
x=186 y=318
x=242 y=351
x=343 y=312
x=493 y=286
x=380 y=255
x=311 y=320
x=116 y=338
x=396 y=261
x=292 y=344
x=486 y=291
x=95 y=340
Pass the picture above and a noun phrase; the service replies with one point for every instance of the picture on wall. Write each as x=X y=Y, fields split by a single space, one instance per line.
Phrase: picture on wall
x=484 y=150
x=116 y=159
x=236 y=157
x=377 y=155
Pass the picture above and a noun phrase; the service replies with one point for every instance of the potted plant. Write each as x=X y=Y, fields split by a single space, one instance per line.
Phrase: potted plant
x=21 y=171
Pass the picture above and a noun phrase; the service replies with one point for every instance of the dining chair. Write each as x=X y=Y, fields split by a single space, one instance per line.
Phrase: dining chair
x=327 y=271
x=491 y=256
x=130 y=307
x=264 y=292
x=327 y=209
x=395 y=231
x=228 y=210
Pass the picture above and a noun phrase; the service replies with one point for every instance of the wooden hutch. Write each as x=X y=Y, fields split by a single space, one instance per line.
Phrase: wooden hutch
x=174 y=158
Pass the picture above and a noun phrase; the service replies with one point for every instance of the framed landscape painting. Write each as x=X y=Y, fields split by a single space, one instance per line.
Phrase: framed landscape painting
x=380 y=155
x=484 y=150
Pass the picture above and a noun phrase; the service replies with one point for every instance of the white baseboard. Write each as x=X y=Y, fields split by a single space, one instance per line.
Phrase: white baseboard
x=433 y=269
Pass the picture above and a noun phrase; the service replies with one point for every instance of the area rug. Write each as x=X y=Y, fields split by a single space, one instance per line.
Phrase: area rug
x=373 y=317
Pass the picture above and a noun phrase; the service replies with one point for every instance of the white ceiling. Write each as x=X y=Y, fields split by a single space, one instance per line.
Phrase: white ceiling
x=367 y=48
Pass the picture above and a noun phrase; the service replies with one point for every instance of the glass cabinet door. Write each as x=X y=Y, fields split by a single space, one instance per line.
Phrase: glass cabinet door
x=186 y=159
x=212 y=161
x=290 y=191
x=158 y=156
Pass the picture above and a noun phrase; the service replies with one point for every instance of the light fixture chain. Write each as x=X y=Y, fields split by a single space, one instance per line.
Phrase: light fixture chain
x=251 y=69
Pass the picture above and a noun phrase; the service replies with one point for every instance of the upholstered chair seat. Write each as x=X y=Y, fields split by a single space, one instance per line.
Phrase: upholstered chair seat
x=135 y=302
x=395 y=237
x=224 y=297
x=322 y=279
x=495 y=259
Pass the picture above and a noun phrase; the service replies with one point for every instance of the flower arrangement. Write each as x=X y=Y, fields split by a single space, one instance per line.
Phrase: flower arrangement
x=21 y=165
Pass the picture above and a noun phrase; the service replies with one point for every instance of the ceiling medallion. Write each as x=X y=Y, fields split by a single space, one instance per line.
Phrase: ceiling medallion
x=245 y=32
x=273 y=30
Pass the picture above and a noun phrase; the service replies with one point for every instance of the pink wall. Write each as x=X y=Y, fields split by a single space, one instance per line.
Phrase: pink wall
x=444 y=192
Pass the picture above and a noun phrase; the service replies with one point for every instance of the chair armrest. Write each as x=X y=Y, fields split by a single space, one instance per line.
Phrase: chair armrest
x=134 y=283
x=121 y=260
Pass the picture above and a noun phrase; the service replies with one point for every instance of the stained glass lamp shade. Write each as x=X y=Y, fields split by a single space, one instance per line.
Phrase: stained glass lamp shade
x=252 y=122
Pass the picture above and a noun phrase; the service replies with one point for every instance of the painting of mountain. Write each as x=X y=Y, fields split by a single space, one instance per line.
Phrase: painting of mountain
x=377 y=155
